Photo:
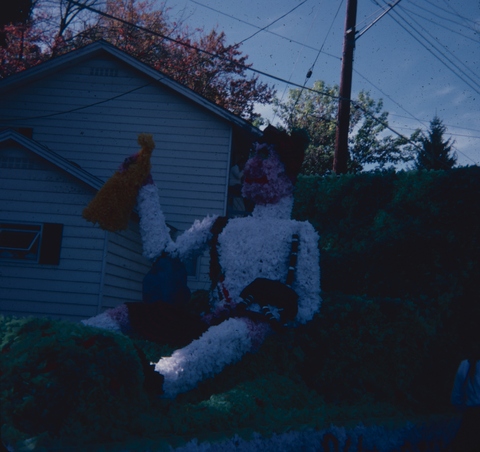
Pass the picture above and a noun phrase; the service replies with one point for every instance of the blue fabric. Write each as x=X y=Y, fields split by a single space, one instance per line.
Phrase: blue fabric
x=166 y=281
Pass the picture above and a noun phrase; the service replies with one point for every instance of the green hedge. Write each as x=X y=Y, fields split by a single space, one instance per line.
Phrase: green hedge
x=399 y=259
x=377 y=350
x=395 y=234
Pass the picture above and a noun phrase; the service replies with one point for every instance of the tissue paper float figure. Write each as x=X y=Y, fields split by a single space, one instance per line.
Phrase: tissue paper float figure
x=264 y=267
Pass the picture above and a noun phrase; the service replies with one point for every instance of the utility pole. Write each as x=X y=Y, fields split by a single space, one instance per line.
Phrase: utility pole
x=343 y=118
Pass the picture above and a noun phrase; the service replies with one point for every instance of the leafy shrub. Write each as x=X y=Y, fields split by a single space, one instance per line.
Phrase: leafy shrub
x=410 y=240
x=388 y=234
x=59 y=379
x=363 y=349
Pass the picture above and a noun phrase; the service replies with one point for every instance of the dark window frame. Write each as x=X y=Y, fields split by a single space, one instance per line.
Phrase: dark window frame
x=39 y=243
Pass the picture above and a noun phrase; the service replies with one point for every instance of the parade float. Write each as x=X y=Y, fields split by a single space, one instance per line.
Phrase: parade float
x=159 y=375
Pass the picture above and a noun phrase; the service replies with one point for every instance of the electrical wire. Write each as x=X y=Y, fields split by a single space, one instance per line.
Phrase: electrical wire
x=442 y=17
x=447 y=50
x=368 y=19
x=184 y=44
x=266 y=31
x=451 y=53
x=310 y=71
x=83 y=107
x=415 y=145
x=295 y=65
x=440 y=25
x=275 y=21
x=455 y=13
x=354 y=103
x=371 y=24
x=109 y=16
x=411 y=116
x=453 y=134
x=476 y=89
x=323 y=43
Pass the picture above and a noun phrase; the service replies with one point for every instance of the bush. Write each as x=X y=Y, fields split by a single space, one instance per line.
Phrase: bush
x=363 y=349
x=408 y=240
x=59 y=379
x=405 y=234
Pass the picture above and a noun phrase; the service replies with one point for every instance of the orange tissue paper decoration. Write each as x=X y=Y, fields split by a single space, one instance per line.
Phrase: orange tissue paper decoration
x=113 y=204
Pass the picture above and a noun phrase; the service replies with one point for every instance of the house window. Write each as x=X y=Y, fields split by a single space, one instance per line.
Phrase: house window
x=39 y=243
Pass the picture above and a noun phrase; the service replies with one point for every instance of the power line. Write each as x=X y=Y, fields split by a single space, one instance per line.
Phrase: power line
x=447 y=125
x=268 y=26
x=449 y=133
x=390 y=98
x=415 y=145
x=250 y=68
x=440 y=25
x=429 y=50
x=324 y=41
x=455 y=13
x=371 y=24
x=271 y=23
x=371 y=17
x=83 y=107
x=266 y=31
x=310 y=71
x=423 y=123
x=412 y=116
x=446 y=49
x=184 y=44
x=442 y=17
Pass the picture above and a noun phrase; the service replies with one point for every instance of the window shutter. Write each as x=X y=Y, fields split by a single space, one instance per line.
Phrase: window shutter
x=51 y=244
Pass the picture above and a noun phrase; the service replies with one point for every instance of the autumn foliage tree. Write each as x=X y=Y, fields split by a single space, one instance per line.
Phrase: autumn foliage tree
x=41 y=34
x=221 y=78
x=17 y=44
x=201 y=61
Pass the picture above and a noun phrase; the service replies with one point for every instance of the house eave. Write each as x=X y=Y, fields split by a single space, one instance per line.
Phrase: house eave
x=79 y=173
x=99 y=47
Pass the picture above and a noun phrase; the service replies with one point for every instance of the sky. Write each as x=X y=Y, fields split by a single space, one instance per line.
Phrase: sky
x=422 y=58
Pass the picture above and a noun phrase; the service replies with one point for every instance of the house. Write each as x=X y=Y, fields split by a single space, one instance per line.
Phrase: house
x=65 y=126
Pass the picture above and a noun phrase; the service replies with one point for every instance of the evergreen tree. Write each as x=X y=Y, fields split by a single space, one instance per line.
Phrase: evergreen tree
x=435 y=153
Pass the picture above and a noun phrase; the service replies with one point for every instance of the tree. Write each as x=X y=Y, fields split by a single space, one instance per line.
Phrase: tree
x=43 y=26
x=222 y=79
x=435 y=153
x=202 y=61
x=19 y=47
x=316 y=110
x=22 y=49
x=15 y=12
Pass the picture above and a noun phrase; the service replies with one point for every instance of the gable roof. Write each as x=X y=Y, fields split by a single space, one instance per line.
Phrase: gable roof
x=102 y=47
x=52 y=157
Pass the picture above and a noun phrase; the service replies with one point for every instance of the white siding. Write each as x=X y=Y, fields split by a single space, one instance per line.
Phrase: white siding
x=125 y=268
x=41 y=193
x=91 y=114
x=90 y=111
